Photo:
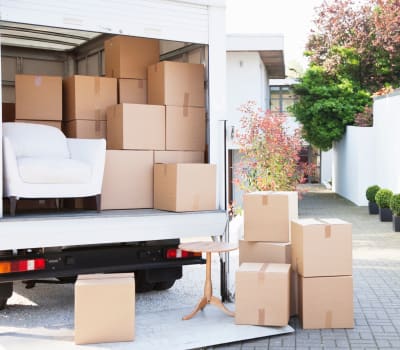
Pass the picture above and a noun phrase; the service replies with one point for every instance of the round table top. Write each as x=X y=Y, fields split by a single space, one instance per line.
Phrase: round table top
x=208 y=247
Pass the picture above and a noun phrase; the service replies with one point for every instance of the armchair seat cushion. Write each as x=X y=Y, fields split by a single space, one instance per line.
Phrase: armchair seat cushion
x=52 y=170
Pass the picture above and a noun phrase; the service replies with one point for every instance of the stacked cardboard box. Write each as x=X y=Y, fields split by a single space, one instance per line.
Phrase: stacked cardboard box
x=38 y=99
x=104 y=308
x=86 y=99
x=267 y=217
x=322 y=257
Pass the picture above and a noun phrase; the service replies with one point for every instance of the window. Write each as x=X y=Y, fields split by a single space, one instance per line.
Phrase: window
x=281 y=98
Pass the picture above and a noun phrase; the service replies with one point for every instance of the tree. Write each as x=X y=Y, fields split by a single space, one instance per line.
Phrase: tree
x=269 y=152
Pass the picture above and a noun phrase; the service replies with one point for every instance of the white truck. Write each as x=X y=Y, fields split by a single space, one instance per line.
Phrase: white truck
x=63 y=38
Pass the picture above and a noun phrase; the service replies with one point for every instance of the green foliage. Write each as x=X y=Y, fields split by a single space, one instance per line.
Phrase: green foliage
x=395 y=204
x=383 y=197
x=371 y=192
x=327 y=103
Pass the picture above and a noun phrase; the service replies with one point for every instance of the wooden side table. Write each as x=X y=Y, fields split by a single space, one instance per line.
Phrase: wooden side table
x=208 y=248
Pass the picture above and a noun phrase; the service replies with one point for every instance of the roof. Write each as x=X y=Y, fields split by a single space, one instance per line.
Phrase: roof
x=269 y=46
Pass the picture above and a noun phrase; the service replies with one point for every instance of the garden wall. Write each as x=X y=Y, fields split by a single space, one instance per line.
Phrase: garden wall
x=370 y=155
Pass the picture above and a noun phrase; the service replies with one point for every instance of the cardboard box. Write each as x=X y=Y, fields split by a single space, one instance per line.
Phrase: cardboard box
x=132 y=91
x=266 y=252
x=38 y=97
x=86 y=129
x=135 y=126
x=262 y=294
x=8 y=111
x=185 y=128
x=267 y=215
x=322 y=247
x=56 y=123
x=88 y=97
x=128 y=180
x=178 y=157
x=185 y=187
x=128 y=57
x=326 y=302
x=104 y=308
x=176 y=84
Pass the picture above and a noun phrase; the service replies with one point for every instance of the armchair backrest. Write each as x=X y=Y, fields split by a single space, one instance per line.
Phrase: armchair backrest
x=32 y=140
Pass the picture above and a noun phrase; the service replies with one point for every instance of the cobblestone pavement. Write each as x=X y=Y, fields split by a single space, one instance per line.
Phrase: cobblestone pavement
x=376 y=274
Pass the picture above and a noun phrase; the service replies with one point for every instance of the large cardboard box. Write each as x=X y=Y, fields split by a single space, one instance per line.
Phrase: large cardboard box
x=104 y=308
x=262 y=294
x=88 y=97
x=326 y=302
x=136 y=126
x=38 y=97
x=267 y=215
x=267 y=252
x=322 y=247
x=185 y=128
x=132 y=91
x=86 y=129
x=185 y=187
x=176 y=84
x=128 y=180
x=178 y=157
x=128 y=57
x=56 y=123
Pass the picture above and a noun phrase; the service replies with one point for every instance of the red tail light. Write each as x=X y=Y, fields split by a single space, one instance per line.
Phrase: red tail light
x=22 y=265
x=175 y=253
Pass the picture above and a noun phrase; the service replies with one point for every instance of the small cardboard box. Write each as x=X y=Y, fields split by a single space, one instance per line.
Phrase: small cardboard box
x=176 y=84
x=56 y=123
x=104 y=308
x=86 y=129
x=326 y=302
x=178 y=157
x=135 y=126
x=266 y=252
x=132 y=91
x=185 y=187
x=185 y=128
x=128 y=180
x=267 y=215
x=262 y=294
x=321 y=247
x=38 y=97
x=128 y=57
x=88 y=97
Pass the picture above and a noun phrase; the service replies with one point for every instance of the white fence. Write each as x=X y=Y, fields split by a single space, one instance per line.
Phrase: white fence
x=370 y=155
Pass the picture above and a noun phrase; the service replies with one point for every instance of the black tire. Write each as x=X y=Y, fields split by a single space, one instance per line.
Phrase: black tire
x=141 y=283
x=164 y=285
x=6 y=290
x=3 y=303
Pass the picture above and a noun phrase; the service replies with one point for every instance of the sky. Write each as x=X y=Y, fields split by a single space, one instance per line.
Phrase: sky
x=292 y=18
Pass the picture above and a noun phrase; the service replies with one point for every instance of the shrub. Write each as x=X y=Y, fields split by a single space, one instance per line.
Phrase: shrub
x=395 y=204
x=383 y=197
x=371 y=192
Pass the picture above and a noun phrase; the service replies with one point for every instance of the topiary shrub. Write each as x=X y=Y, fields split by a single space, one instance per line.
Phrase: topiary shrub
x=371 y=192
x=395 y=204
x=383 y=197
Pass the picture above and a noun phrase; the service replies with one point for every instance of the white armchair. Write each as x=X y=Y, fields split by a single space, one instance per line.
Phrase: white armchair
x=40 y=162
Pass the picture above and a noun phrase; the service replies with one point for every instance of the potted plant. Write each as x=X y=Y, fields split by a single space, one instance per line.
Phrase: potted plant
x=395 y=207
x=370 y=194
x=382 y=198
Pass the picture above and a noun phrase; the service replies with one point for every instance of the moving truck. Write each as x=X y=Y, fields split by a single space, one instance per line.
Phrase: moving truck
x=47 y=38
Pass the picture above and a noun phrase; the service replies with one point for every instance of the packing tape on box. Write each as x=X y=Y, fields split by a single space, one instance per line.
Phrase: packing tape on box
x=328 y=319
x=165 y=169
x=97 y=85
x=186 y=99
x=97 y=114
x=261 y=316
x=327 y=231
x=264 y=200
x=97 y=126
x=261 y=272
x=185 y=111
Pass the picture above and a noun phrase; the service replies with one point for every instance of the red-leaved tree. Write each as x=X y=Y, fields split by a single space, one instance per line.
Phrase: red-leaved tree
x=269 y=152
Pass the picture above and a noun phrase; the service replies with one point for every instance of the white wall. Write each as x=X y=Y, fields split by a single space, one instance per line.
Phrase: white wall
x=369 y=156
x=326 y=166
x=246 y=81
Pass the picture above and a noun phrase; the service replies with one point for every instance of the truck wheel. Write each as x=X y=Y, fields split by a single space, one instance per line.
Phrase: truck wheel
x=141 y=283
x=164 y=285
x=6 y=290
